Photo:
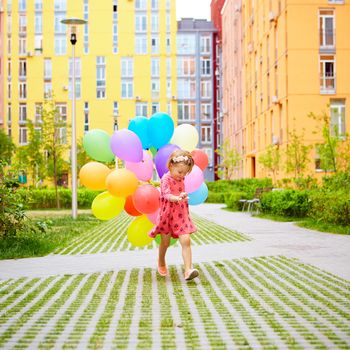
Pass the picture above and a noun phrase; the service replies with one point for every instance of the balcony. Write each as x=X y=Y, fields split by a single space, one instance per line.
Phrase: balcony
x=327 y=84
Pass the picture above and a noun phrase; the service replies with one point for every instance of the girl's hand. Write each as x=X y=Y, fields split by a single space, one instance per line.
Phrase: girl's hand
x=184 y=195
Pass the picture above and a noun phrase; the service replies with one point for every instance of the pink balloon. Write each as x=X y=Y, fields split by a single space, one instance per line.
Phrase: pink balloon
x=144 y=169
x=146 y=199
x=126 y=145
x=194 y=179
x=153 y=216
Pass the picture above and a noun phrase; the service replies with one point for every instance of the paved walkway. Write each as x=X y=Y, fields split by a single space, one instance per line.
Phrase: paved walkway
x=330 y=252
x=267 y=299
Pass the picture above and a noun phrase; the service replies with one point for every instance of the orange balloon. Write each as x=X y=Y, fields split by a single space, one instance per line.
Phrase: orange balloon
x=129 y=207
x=200 y=158
x=146 y=199
x=121 y=183
x=93 y=175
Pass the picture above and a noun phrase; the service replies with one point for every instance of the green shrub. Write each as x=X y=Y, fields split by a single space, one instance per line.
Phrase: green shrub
x=232 y=200
x=331 y=206
x=337 y=181
x=46 y=198
x=292 y=203
x=214 y=197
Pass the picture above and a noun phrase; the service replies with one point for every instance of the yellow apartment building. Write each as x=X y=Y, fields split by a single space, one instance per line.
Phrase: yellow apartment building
x=292 y=58
x=122 y=40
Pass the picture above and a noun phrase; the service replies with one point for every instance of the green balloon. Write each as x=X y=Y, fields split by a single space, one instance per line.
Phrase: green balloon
x=153 y=150
x=96 y=143
x=172 y=240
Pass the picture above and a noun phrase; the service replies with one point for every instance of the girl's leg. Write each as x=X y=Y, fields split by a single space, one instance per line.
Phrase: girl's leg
x=163 y=246
x=185 y=242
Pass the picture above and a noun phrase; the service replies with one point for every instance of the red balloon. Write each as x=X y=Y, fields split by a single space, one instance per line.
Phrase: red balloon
x=146 y=199
x=129 y=207
x=200 y=158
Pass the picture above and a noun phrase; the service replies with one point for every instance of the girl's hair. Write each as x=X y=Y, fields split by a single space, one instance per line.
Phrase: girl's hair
x=181 y=156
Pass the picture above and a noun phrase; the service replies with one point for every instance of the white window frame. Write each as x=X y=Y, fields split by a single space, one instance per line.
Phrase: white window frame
x=186 y=66
x=206 y=111
x=154 y=44
x=22 y=46
x=206 y=89
x=324 y=15
x=205 y=66
x=141 y=44
x=22 y=69
x=140 y=23
x=141 y=109
x=206 y=134
x=22 y=114
x=338 y=118
x=186 y=111
x=155 y=88
x=205 y=44
x=127 y=88
x=155 y=67
x=127 y=67
x=155 y=23
x=324 y=79
x=100 y=77
x=186 y=88
x=155 y=107
x=22 y=90
x=23 y=135
x=47 y=69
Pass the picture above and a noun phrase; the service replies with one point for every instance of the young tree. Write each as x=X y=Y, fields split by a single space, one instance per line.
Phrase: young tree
x=7 y=147
x=82 y=157
x=329 y=149
x=296 y=154
x=230 y=160
x=53 y=135
x=270 y=160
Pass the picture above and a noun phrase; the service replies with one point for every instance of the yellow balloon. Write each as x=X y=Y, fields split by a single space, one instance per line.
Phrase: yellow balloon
x=93 y=175
x=138 y=231
x=186 y=137
x=106 y=207
x=121 y=183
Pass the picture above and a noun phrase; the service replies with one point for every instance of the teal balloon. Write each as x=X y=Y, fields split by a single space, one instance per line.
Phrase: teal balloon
x=96 y=143
x=199 y=196
x=139 y=125
x=160 y=129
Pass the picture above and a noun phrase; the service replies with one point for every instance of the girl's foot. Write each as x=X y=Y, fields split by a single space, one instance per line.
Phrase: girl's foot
x=162 y=270
x=191 y=274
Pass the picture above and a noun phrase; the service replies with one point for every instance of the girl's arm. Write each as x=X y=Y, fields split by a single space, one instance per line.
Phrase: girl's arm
x=166 y=191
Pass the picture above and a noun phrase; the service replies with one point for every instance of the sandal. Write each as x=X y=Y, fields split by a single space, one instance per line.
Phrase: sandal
x=162 y=270
x=191 y=274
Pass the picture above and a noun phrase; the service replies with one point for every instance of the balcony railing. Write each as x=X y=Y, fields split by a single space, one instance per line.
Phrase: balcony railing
x=327 y=84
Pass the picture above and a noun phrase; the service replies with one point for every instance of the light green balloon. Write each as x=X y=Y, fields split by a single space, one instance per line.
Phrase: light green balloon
x=106 y=207
x=96 y=143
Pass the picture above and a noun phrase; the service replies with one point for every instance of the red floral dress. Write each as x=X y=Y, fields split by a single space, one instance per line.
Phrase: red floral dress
x=173 y=217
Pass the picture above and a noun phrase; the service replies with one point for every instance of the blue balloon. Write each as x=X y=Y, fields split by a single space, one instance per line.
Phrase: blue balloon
x=160 y=129
x=199 y=196
x=139 y=125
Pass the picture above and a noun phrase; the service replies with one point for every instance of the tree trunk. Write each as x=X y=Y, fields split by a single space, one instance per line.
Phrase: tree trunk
x=55 y=180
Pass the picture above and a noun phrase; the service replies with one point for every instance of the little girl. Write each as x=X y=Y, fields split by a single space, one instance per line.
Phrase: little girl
x=173 y=218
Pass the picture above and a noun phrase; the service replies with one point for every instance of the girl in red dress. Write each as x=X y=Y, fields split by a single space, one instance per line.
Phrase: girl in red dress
x=173 y=219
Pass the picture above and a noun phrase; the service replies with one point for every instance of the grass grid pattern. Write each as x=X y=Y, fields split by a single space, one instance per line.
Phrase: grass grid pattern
x=111 y=236
x=265 y=302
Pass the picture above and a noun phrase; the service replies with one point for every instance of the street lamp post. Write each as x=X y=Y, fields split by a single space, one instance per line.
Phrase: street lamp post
x=73 y=23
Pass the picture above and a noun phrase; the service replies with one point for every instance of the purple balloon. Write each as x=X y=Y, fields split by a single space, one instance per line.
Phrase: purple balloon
x=162 y=157
x=126 y=145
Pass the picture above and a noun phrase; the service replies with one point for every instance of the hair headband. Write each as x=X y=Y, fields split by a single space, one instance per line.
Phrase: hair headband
x=179 y=159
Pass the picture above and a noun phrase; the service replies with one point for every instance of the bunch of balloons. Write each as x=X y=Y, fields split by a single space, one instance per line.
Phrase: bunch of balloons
x=146 y=144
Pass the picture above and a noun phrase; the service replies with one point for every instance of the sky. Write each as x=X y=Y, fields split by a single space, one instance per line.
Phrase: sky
x=199 y=9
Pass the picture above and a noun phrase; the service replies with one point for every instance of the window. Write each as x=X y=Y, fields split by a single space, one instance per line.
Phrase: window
x=206 y=113
x=206 y=89
x=38 y=26
x=86 y=117
x=155 y=4
x=60 y=5
x=140 y=4
x=100 y=77
x=154 y=45
x=186 y=110
x=38 y=113
x=141 y=109
x=327 y=28
x=327 y=74
x=155 y=107
x=47 y=69
x=86 y=27
x=168 y=87
x=23 y=135
x=22 y=5
x=114 y=26
x=186 y=66
x=9 y=87
x=60 y=28
x=186 y=44
x=140 y=23
x=155 y=88
x=338 y=118
x=77 y=78
x=141 y=44
x=155 y=67
x=22 y=69
x=206 y=134
x=60 y=44
x=127 y=88
x=9 y=114
x=38 y=42
x=167 y=22
x=209 y=153
x=22 y=46
x=186 y=88
x=47 y=89
x=22 y=113
x=127 y=67
x=38 y=5
x=115 y=109
x=22 y=90
x=205 y=66
x=168 y=67
x=62 y=111
x=155 y=23
x=205 y=44
x=168 y=44
x=336 y=2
